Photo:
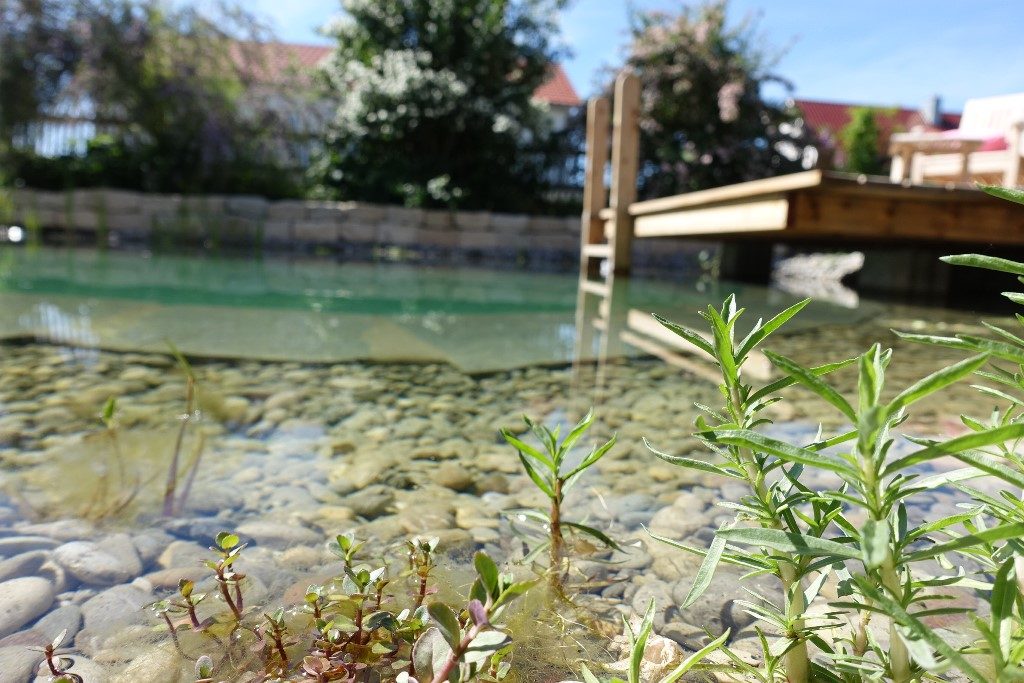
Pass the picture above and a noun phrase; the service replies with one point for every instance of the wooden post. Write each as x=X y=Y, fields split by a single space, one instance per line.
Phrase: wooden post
x=625 y=160
x=594 y=194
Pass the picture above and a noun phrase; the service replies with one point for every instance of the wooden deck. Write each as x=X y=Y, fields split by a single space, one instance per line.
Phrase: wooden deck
x=810 y=206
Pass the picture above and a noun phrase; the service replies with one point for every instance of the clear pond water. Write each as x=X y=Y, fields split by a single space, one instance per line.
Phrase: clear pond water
x=366 y=397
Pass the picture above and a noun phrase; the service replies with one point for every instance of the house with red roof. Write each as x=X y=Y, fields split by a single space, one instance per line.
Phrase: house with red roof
x=828 y=119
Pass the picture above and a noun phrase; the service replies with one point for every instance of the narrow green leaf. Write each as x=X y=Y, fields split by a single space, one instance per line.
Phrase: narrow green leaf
x=579 y=430
x=587 y=676
x=526 y=449
x=917 y=630
x=1010 y=194
x=535 y=476
x=787 y=542
x=994 y=466
x=689 y=463
x=723 y=347
x=934 y=382
x=695 y=658
x=595 y=455
x=706 y=571
x=591 y=531
x=780 y=384
x=689 y=335
x=807 y=378
x=785 y=451
x=638 y=643
x=999 y=533
x=758 y=335
x=874 y=542
x=956 y=446
x=987 y=262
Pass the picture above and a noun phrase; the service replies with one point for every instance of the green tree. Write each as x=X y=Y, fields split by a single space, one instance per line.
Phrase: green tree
x=435 y=102
x=860 y=138
x=704 y=119
x=178 y=91
x=38 y=52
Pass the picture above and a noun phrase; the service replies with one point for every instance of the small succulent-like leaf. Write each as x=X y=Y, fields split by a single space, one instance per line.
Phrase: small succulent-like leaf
x=477 y=613
x=487 y=571
x=447 y=622
x=430 y=653
x=226 y=540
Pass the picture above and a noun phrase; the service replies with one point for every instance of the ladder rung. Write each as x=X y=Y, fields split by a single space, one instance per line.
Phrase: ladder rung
x=592 y=287
x=596 y=250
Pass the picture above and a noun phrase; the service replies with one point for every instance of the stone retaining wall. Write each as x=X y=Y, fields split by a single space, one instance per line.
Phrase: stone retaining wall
x=138 y=217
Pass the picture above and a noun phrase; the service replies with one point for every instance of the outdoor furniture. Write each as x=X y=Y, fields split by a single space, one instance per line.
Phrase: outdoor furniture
x=987 y=147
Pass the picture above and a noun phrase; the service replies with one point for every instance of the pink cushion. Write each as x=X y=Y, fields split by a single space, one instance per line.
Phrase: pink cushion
x=992 y=143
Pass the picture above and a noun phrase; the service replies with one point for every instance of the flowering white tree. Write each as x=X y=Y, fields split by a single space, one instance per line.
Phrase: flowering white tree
x=705 y=120
x=435 y=102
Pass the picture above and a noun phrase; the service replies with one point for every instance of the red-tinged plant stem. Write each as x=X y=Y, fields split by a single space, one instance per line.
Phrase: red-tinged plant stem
x=174 y=637
x=557 y=550
x=193 y=469
x=442 y=674
x=172 y=470
x=226 y=594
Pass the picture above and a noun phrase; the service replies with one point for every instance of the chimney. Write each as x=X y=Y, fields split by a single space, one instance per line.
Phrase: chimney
x=932 y=111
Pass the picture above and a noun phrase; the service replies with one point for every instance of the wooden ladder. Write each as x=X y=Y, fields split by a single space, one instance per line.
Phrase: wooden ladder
x=606 y=234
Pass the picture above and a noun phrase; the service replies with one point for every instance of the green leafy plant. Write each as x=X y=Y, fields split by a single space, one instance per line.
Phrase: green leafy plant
x=854 y=534
x=548 y=470
x=638 y=647
x=351 y=628
x=1001 y=641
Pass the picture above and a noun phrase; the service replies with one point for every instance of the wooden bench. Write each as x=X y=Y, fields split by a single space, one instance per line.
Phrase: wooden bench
x=987 y=147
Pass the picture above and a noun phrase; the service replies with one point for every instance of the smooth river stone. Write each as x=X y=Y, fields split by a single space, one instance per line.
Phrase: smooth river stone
x=21 y=601
x=90 y=671
x=25 y=564
x=280 y=536
x=112 y=561
x=16 y=545
x=18 y=664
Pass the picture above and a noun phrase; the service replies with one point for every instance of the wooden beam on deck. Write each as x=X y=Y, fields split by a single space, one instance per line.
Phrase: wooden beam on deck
x=625 y=164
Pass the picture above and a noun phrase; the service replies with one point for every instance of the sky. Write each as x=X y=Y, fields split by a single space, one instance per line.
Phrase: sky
x=881 y=52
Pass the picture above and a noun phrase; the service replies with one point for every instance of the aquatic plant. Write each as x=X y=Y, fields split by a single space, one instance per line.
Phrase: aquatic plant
x=1000 y=646
x=548 y=471
x=174 y=503
x=638 y=648
x=126 y=489
x=352 y=628
x=853 y=534
x=59 y=667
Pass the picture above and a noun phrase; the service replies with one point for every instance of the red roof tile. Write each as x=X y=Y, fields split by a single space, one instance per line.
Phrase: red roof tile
x=829 y=118
x=558 y=90
x=280 y=58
